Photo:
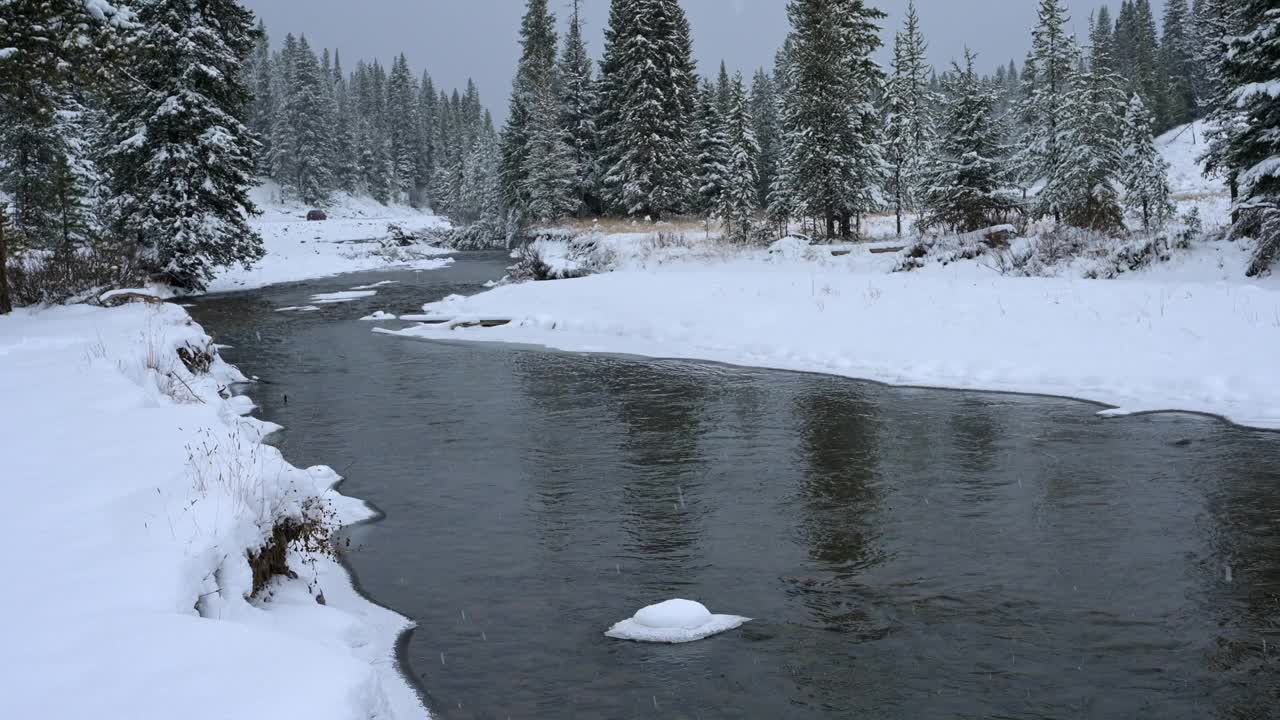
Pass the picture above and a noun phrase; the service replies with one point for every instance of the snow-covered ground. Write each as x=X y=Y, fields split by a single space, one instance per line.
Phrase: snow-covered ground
x=1188 y=334
x=135 y=493
x=301 y=250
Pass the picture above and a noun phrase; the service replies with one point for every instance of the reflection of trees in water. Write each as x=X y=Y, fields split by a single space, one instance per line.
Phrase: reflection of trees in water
x=1245 y=506
x=662 y=410
x=840 y=446
x=564 y=392
x=974 y=432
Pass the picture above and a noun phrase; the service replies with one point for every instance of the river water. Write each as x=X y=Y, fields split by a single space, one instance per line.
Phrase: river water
x=906 y=553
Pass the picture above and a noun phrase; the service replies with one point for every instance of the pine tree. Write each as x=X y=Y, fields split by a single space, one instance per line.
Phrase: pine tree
x=51 y=56
x=738 y=200
x=1047 y=81
x=577 y=115
x=262 y=107
x=832 y=161
x=1221 y=21
x=182 y=158
x=1148 y=78
x=967 y=177
x=1178 y=59
x=343 y=166
x=302 y=139
x=1251 y=150
x=424 y=144
x=1144 y=174
x=1102 y=37
x=648 y=94
x=908 y=126
x=1082 y=187
x=768 y=129
x=712 y=148
x=402 y=129
x=724 y=91
x=535 y=82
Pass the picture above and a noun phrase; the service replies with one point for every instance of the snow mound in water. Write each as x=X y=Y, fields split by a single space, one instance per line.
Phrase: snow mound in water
x=674 y=621
x=380 y=315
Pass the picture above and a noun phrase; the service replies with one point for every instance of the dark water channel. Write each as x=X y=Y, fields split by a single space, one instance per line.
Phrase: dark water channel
x=907 y=553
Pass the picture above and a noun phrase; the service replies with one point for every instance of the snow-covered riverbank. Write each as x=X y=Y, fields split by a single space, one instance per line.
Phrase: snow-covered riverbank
x=1174 y=337
x=300 y=250
x=137 y=492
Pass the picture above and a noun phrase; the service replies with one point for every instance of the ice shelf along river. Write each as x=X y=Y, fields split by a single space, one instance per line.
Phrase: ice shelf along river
x=905 y=553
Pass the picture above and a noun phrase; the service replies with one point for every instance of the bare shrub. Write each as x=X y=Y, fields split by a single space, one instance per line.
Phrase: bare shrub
x=43 y=277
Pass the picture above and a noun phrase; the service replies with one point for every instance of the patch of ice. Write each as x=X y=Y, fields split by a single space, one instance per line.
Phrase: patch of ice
x=380 y=315
x=342 y=297
x=298 y=308
x=674 y=621
x=376 y=285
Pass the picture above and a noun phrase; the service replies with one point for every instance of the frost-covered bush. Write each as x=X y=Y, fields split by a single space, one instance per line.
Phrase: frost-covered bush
x=947 y=249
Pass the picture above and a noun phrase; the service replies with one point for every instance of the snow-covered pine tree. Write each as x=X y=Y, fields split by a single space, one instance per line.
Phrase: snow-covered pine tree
x=181 y=157
x=909 y=128
x=1144 y=174
x=1251 y=68
x=1102 y=36
x=1178 y=59
x=1149 y=79
x=768 y=128
x=551 y=170
x=303 y=141
x=967 y=177
x=535 y=80
x=832 y=154
x=724 y=91
x=1047 y=84
x=51 y=68
x=648 y=99
x=1082 y=187
x=739 y=199
x=712 y=148
x=480 y=191
x=402 y=128
x=424 y=144
x=577 y=115
x=262 y=107
x=343 y=163
x=1221 y=21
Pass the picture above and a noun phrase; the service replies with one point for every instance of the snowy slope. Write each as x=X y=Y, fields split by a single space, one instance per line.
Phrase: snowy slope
x=1182 y=147
x=300 y=250
x=134 y=492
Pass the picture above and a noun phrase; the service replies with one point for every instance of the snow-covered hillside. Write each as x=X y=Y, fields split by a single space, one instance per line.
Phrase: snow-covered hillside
x=135 y=494
x=345 y=242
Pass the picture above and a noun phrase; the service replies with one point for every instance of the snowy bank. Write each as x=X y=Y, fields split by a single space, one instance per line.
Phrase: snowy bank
x=138 y=494
x=345 y=242
x=1145 y=343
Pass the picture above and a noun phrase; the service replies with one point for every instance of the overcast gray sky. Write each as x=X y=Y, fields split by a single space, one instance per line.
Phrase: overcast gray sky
x=457 y=39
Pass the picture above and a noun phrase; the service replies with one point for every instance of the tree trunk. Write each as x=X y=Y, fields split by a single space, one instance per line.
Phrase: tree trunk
x=1234 y=182
x=6 y=304
x=831 y=224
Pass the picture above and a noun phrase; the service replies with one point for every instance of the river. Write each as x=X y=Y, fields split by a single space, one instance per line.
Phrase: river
x=905 y=553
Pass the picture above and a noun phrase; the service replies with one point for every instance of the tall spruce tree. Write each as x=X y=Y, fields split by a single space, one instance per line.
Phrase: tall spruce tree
x=832 y=158
x=302 y=143
x=1082 y=187
x=1178 y=55
x=768 y=129
x=577 y=115
x=1048 y=81
x=262 y=107
x=181 y=157
x=908 y=125
x=1251 y=69
x=648 y=99
x=739 y=199
x=967 y=176
x=402 y=129
x=535 y=85
x=1144 y=173
x=712 y=149
x=1222 y=21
